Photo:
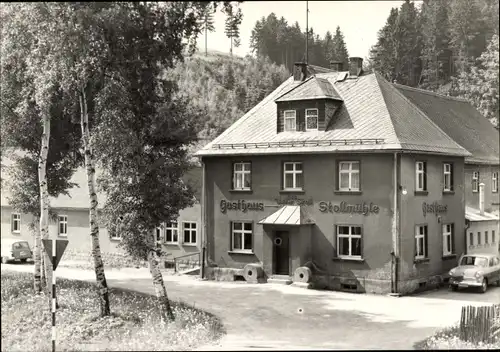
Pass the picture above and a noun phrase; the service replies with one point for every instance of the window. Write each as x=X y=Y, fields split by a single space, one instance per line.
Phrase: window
x=494 y=182
x=292 y=176
x=493 y=239
x=241 y=236
x=63 y=225
x=479 y=238
x=348 y=241
x=242 y=176
x=311 y=119
x=447 y=177
x=16 y=223
x=471 y=239
x=421 y=176
x=486 y=238
x=475 y=181
x=448 y=239
x=290 y=123
x=171 y=232
x=189 y=230
x=158 y=236
x=349 y=176
x=421 y=242
x=114 y=233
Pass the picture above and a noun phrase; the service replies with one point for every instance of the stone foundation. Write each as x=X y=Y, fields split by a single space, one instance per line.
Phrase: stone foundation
x=223 y=274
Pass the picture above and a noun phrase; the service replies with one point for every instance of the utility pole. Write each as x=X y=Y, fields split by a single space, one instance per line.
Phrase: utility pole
x=307 y=32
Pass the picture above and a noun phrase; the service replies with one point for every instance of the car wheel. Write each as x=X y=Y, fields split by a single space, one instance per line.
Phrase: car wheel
x=484 y=286
x=4 y=260
x=453 y=288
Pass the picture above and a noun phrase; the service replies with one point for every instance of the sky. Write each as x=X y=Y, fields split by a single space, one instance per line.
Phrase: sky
x=358 y=20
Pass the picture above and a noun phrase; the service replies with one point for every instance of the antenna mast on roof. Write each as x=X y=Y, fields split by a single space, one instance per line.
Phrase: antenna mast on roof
x=307 y=31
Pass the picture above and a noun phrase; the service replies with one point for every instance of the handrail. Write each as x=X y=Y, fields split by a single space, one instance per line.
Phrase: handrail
x=184 y=256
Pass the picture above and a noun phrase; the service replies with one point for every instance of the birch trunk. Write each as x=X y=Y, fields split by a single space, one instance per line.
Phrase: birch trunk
x=44 y=195
x=159 y=286
x=37 y=274
x=93 y=220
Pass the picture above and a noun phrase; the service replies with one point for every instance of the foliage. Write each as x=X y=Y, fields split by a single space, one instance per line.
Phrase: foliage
x=437 y=47
x=480 y=85
x=285 y=44
x=222 y=88
x=135 y=325
x=448 y=339
x=232 y=27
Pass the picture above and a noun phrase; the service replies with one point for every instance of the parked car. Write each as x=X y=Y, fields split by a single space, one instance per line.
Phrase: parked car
x=476 y=270
x=15 y=249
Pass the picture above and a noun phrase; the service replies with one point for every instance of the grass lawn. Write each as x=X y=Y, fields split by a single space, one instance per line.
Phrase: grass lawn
x=448 y=339
x=134 y=325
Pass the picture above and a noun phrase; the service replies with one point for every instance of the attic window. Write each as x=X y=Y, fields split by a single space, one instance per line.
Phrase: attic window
x=311 y=119
x=290 y=121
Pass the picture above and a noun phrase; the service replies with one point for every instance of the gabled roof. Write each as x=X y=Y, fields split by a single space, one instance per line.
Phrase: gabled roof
x=374 y=116
x=311 y=88
x=461 y=121
x=473 y=214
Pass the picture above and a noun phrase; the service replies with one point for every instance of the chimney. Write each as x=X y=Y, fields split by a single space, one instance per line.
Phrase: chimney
x=481 y=198
x=336 y=66
x=355 y=66
x=299 y=71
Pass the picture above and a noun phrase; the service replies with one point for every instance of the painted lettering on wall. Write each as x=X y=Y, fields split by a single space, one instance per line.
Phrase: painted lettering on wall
x=241 y=205
x=434 y=208
x=360 y=208
x=293 y=200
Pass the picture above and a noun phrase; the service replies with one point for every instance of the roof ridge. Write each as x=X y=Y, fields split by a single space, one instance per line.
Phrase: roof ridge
x=378 y=76
x=425 y=91
x=246 y=115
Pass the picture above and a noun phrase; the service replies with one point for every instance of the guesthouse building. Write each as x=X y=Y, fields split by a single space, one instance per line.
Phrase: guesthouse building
x=339 y=172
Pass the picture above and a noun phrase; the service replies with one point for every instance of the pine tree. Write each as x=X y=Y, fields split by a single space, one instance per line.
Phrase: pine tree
x=382 y=54
x=207 y=24
x=340 y=52
x=232 y=29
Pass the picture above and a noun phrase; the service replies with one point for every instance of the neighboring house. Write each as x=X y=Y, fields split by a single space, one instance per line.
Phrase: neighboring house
x=178 y=239
x=341 y=172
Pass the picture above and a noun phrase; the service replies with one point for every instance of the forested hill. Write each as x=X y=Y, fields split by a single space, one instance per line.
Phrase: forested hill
x=222 y=88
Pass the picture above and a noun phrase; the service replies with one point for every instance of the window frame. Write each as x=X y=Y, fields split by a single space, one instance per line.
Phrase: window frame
x=448 y=188
x=494 y=182
x=158 y=242
x=115 y=235
x=471 y=239
x=451 y=235
x=243 y=172
x=293 y=172
x=190 y=243
x=171 y=228
x=15 y=218
x=349 y=172
x=243 y=234
x=65 y=223
x=486 y=237
x=493 y=235
x=423 y=172
x=475 y=181
x=317 y=120
x=289 y=118
x=416 y=242
x=479 y=238
x=350 y=236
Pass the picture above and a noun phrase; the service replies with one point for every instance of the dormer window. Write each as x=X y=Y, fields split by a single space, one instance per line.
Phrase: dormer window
x=290 y=120
x=311 y=119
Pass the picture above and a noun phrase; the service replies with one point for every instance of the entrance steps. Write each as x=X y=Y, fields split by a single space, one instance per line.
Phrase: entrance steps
x=280 y=279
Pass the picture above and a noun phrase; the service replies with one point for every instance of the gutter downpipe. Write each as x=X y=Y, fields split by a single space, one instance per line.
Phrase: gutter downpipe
x=395 y=230
x=203 y=219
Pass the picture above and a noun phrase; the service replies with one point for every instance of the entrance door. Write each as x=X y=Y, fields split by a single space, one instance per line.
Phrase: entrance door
x=281 y=253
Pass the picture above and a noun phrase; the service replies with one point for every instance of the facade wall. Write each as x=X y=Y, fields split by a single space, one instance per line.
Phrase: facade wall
x=452 y=211
x=318 y=242
x=491 y=199
x=308 y=242
x=79 y=234
x=480 y=242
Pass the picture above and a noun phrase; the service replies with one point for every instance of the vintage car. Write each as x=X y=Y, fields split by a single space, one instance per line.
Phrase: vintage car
x=476 y=270
x=15 y=249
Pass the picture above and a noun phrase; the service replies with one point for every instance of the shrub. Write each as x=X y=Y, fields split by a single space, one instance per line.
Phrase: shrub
x=134 y=324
